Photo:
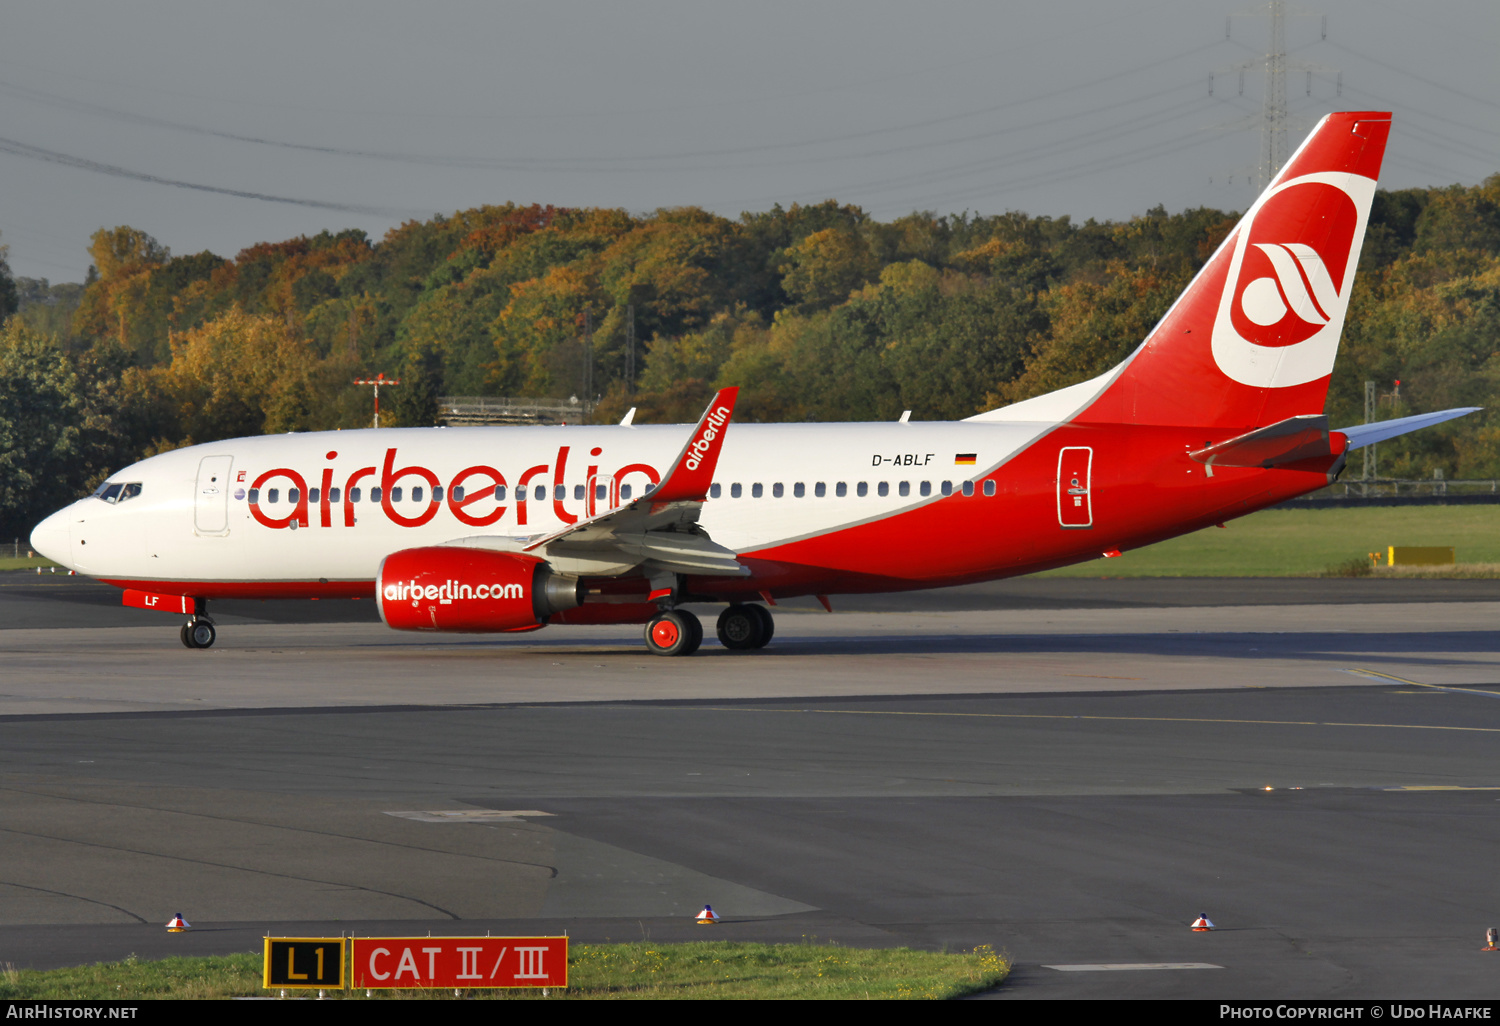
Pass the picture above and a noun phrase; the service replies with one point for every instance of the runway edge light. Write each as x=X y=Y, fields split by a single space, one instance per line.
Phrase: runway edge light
x=1491 y=940
x=708 y=916
x=178 y=924
x=1202 y=924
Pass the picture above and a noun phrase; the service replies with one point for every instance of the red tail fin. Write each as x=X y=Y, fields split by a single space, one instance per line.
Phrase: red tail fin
x=1253 y=339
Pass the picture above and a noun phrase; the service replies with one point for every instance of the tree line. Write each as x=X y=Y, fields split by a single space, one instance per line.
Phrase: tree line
x=817 y=312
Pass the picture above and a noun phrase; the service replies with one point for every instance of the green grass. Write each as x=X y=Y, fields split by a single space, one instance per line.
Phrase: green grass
x=705 y=969
x=24 y=562
x=1304 y=542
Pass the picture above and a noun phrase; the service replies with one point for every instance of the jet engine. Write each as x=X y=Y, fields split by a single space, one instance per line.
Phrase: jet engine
x=448 y=588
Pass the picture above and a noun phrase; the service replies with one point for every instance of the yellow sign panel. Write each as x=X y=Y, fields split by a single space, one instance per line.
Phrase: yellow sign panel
x=305 y=962
x=1414 y=555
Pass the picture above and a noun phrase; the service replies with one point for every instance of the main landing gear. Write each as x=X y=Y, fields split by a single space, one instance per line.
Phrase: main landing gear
x=198 y=633
x=743 y=627
x=677 y=632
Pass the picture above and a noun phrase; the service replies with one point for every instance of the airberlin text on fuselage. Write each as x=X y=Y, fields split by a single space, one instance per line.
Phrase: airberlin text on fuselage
x=469 y=495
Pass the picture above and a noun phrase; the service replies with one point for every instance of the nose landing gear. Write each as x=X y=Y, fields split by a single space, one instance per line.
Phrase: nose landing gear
x=198 y=632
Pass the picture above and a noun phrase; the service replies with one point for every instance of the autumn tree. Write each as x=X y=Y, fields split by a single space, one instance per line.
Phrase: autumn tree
x=9 y=301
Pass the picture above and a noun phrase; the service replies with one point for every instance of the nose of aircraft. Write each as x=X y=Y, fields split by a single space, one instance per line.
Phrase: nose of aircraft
x=50 y=538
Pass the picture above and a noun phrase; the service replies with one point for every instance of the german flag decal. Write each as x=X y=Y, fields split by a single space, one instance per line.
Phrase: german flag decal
x=964 y=459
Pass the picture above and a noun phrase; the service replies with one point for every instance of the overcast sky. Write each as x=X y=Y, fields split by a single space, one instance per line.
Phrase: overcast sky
x=371 y=113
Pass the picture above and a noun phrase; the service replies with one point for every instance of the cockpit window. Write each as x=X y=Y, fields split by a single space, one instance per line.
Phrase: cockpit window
x=116 y=491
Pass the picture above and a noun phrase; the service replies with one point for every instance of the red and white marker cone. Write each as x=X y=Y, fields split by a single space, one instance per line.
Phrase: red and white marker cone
x=178 y=924
x=1491 y=940
x=708 y=916
x=1201 y=924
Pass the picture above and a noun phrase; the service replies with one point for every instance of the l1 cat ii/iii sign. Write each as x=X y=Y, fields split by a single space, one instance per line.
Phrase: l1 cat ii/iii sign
x=461 y=963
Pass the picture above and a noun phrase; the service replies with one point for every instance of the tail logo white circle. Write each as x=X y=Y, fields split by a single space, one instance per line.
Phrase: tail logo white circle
x=1287 y=287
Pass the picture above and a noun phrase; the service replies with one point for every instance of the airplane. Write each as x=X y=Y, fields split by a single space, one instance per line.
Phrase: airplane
x=1217 y=414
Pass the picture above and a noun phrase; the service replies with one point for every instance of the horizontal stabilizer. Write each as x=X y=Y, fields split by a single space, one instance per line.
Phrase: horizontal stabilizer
x=1361 y=435
x=1286 y=441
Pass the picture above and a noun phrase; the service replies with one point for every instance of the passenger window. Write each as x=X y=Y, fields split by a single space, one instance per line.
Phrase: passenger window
x=968 y=488
x=625 y=492
x=539 y=493
x=601 y=492
x=272 y=494
x=396 y=494
x=714 y=490
x=416 y=494
x=904 y=488
x=293 y=495
x=333 y=495
x=354 y=495
x=989 y=488
x=862 y=489
x=312 y=495
x=947 y=488
x=736 y=490
x=254 y=495
x=374 y=494
x=841 y=489
x=499 y=493
x=757 y=490
x=799 y=490
x=926 y=488
x=883 y=488
x=578 y=492
x=820 y=490
x=437 y=494
x=777 y=491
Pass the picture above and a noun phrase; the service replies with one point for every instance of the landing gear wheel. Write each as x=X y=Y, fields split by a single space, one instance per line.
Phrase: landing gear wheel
x=741 y=627
x=674 y=633
x=768 y=622
x=198 y=634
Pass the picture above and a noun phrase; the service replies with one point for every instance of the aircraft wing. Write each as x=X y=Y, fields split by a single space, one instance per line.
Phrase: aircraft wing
x=661 y=527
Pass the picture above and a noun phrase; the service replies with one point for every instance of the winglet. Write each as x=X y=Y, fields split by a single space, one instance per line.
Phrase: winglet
x=693 y=470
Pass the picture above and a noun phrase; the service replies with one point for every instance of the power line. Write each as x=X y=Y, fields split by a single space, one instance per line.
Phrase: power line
x=1414 y=75
x=20 y=149
x=579 y=164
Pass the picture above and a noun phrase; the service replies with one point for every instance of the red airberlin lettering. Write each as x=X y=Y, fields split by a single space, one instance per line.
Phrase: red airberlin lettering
x=457 y=506
x=299 y=511
x=469 y=495
x=388 y=477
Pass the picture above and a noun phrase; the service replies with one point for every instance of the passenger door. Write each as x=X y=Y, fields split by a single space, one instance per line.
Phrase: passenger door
x=1074 y=506
x=211 y=496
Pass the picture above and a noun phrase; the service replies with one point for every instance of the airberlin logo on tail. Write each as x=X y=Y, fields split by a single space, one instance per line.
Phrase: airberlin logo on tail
x=704 y=442
x=1300 y=284
x=1292 y=265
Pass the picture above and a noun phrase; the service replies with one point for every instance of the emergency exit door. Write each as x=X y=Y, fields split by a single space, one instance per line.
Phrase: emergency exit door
x=211 y=500
x=1074 y=506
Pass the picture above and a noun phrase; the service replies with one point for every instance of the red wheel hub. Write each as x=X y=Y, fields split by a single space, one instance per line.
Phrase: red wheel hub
x=665 y=633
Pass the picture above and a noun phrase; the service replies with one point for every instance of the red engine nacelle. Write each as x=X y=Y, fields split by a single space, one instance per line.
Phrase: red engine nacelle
x=448 y=588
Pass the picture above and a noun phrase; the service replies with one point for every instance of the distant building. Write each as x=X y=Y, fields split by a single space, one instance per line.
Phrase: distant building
x=457 y=410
